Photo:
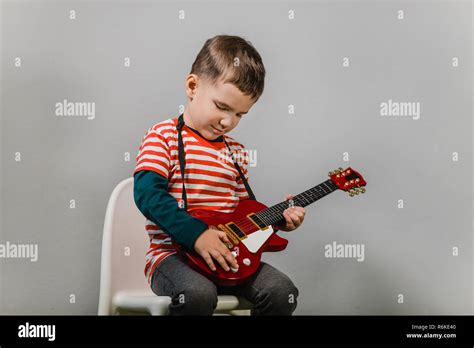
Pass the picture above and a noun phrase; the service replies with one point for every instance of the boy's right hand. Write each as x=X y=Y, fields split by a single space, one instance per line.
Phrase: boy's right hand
x=210 y=245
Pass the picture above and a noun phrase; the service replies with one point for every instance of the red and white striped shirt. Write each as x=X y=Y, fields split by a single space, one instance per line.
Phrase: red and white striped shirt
x=211 y=179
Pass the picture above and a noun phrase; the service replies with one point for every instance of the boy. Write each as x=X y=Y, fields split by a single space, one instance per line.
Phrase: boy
x=226 y=79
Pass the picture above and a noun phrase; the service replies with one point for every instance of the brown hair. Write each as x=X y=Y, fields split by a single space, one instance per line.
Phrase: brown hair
x=234 y=59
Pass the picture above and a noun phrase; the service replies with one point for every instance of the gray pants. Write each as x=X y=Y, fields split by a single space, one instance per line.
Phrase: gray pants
x=270 y=291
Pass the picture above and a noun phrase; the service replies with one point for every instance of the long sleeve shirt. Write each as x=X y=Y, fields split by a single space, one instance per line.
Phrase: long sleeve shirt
x=211 y=179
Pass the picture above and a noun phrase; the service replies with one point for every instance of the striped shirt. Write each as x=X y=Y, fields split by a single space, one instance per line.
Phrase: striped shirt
x=211 y=179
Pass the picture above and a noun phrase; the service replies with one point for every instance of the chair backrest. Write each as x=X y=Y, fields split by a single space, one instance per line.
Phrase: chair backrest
x=124 y=245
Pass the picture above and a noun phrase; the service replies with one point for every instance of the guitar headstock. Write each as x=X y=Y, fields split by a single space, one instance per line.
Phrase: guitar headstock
x=348 y=180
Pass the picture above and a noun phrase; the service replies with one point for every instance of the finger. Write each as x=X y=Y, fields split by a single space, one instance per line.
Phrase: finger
x=295 y=218
x=298 y=212
x=219 y=258
x=289 y=221
x=224 y=237
x=226 y=242
x=289 y=196
x=208 y=260
x=297 y=222
x=229 y=257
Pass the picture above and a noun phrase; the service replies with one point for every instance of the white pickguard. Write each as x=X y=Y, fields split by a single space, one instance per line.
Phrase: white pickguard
x=255 y=240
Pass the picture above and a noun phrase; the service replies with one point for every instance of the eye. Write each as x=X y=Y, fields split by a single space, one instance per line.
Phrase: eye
x=217 y=106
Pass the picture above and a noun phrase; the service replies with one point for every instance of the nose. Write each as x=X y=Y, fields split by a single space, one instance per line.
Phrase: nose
x=225 y=124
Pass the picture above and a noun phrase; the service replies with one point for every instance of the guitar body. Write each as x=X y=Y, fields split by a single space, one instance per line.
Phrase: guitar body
x=247 y=248
x=251 y=227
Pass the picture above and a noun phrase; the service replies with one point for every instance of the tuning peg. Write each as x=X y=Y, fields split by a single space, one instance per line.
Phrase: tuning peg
x=341 y=169
x=354 y=191
x=362 y=190
x=330 y=174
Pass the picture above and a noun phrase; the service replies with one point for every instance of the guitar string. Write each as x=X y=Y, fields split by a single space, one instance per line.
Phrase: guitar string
x=268 y=215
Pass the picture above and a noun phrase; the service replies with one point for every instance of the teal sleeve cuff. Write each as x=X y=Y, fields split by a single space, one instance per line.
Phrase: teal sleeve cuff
x=150 y=192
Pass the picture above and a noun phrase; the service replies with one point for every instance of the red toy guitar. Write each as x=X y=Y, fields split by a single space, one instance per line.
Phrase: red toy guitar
x=250 y=227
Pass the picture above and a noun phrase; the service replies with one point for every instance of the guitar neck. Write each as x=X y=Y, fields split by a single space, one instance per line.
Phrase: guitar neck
x=274 y=214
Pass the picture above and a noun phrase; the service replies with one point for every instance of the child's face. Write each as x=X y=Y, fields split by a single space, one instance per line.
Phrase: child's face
x=212 y=107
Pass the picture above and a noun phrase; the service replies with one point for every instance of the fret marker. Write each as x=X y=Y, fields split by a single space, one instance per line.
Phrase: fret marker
x=291 y=203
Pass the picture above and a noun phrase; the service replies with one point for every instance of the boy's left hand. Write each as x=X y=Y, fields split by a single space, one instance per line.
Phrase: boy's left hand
x=293 y=217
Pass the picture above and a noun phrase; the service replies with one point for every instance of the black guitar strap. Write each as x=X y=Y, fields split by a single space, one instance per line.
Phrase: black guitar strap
x=182 y=164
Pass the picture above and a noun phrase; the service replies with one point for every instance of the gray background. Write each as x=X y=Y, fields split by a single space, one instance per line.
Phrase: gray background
x=407 y=251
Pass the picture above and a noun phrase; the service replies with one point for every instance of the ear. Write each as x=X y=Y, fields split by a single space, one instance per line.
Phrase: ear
x=190 y=85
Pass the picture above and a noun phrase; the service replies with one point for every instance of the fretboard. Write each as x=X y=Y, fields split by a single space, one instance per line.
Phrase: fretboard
x=274 y=214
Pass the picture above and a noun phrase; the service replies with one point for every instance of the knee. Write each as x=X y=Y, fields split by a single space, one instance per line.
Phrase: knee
x=278 y=299
x=195 y=300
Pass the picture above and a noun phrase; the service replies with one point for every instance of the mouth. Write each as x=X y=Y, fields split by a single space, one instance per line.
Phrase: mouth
x=217 y=131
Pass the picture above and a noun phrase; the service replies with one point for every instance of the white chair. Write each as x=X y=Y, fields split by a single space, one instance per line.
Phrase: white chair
x=123 y=286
